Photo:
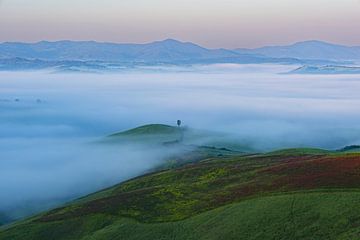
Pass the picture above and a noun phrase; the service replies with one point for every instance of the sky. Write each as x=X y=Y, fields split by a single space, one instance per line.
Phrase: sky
x=211 y=23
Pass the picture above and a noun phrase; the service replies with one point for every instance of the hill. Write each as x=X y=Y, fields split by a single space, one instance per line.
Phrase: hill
x=350 y=149
x=288 y=194
x=151 y=129
x=3 y=219
x=90 y=55
x=151 y=134
x=308 y=50
x=155 y=134
x=329 y=69
x=300 y=151
x=167 y=51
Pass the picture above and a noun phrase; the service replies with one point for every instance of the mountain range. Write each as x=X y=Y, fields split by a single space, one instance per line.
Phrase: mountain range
x=167 y=50
x=308 y=50
x=93 y=55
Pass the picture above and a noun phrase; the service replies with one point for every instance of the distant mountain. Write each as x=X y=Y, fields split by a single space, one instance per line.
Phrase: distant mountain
x=14 y=64
x=307 y=50
x=165 y=51
x=90 y=55
x=326 y=70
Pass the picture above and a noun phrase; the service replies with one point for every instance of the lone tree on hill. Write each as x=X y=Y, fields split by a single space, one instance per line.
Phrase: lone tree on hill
x=181 y=132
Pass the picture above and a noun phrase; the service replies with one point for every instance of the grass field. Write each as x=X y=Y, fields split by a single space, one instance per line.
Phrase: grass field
x=286 y=194
x=313 y=215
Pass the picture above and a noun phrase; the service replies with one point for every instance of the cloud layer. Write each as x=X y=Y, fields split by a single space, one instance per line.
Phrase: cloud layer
x=48 y=122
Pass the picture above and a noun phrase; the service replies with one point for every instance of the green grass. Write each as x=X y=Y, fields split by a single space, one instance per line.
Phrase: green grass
x=315 y=151
x=292 y=216
x=151 y=129
x=300 y=151
x=159 y=204
x=215 y=193
x=351 y=149
x=148 y=134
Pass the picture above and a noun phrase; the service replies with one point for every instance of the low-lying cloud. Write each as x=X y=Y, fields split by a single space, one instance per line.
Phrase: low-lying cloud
x=40 y=173
x=48 y=122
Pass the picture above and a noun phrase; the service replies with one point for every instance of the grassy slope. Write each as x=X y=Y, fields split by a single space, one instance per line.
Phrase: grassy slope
x=286 y=194
x=300 y=151
x=256 y=197
x=292 y=216
x=351 y=149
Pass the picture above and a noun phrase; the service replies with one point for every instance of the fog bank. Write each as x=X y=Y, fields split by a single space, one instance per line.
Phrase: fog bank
x=48 y=122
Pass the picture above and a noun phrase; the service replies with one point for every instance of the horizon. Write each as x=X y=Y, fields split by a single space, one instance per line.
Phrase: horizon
x=213 y=24
x=180 y=41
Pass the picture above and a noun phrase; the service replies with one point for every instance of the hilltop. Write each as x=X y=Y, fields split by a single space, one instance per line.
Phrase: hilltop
x=151 y=129
x=161 y=134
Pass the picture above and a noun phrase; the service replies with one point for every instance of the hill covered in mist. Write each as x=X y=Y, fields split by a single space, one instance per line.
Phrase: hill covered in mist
x=212 y=193
x=328 y=69
x=314 y=50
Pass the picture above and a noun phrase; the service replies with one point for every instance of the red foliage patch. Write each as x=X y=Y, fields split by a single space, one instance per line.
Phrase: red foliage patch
x=329 y=171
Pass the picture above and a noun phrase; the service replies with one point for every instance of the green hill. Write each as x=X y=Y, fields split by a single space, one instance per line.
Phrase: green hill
x=300 y=151
x=3 y=219
x=151 y=129
x=294 y=216
x=149 y=134
x=351 y=149
x=305 y=195
x=160 y=134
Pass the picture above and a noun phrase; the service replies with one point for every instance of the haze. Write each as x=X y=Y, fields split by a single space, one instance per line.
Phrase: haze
x=211 y=23
x=49 y=122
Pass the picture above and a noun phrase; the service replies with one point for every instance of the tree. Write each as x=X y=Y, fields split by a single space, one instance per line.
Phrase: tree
x=180 y=130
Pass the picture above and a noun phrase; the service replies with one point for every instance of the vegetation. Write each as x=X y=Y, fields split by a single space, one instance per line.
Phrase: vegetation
x=235 y=193
x=217 y=194
x=318 y=215
x=151 y=129
x=300 y=151
x=171 y=135
x=352 y=148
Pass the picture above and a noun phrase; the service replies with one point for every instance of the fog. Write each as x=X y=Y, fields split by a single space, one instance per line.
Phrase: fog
x=49 y=123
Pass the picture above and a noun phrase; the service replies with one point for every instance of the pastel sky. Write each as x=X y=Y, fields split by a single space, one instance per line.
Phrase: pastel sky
x=211 y=23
